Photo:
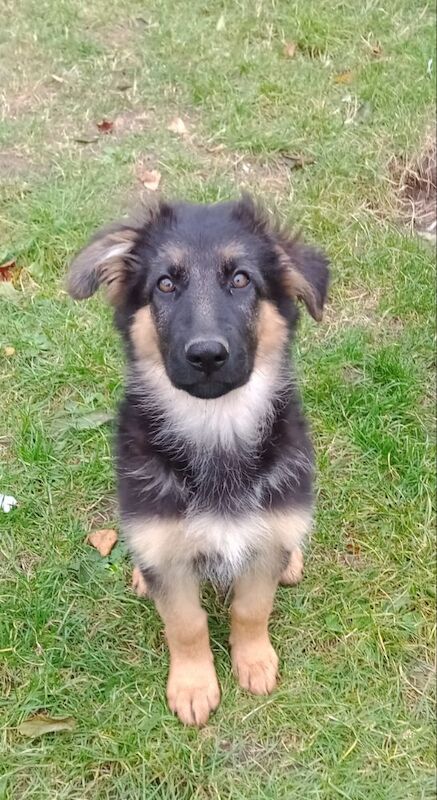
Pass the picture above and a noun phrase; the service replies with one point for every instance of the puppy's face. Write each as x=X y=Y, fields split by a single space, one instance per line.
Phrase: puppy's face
x=202 y=279
x=189 y=283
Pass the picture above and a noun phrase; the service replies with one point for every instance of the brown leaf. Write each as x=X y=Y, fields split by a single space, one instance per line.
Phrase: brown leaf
x=376 y=50
x=150 y=178
x=103 y=540
x=6 y=270
x=289 y=49
x=9 y=351
x=86 y=139
x=177 y=125
x=353 y=548
x=344 y=77
x=105 y=126
x=40 y=724
x=296 y=160
x=217 y=148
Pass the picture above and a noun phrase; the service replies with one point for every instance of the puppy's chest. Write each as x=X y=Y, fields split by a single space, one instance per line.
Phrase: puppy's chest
x=217 y=548
x=221 y=483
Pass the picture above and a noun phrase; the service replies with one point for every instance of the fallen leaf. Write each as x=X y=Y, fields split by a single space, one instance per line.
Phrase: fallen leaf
x=105 y=126
x=94 y=419
x=353 y=548
x=221 y=23
x=177 y=125
x=103 y=540
x=86 y=139
x=290 y=49
x=40 y=724
x=123 y=86
x=217 y=148
x=296 y=160
x=344 y=77
x=80 y=422
x=376 y=50
x=146 y=23
x=9 y=351
x=6 y=270
x=150 y=178
x=7 y=502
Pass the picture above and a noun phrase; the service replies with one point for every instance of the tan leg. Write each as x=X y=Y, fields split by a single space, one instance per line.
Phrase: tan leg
x=139 y=583
x=254 y=660
x=293 y=572
x=192 y=687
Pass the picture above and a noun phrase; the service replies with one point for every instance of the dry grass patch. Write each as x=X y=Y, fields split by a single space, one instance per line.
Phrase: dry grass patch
x=416 y=189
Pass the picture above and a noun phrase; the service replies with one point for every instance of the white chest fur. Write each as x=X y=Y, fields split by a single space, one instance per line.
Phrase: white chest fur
x=162 y=544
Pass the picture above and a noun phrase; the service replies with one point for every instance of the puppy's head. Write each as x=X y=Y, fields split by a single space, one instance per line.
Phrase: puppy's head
x=202 y=289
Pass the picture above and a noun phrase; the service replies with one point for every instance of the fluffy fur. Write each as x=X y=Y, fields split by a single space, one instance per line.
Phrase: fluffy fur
x=214 y=461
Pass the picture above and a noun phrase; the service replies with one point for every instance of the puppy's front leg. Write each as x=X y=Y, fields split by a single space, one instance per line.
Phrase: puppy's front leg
x=254 y=660
x=192 y=687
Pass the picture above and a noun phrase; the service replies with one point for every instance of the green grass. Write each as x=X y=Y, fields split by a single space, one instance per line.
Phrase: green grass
x=353 y=716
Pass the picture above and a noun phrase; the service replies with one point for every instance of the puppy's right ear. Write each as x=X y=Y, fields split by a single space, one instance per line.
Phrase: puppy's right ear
x=104 y=261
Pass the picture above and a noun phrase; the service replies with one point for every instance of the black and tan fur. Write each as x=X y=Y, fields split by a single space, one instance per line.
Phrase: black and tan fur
x=214 y=462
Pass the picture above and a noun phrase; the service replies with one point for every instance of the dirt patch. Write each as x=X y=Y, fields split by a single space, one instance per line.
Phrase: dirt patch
x=416 y=189
x=27 y=563
x=268 y=173
x=133 y=121
x=28 y=100
x=13 y=165
x=355 y=306
x=420 y=686
x=118 y=36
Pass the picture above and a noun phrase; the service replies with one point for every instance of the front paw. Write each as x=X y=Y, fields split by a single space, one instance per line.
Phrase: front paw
x=255 y=666
x=193 y=691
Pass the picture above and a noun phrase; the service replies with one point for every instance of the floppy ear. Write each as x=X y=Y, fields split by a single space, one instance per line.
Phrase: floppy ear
x=305 y=274
x=304 y=270
x=104 y=260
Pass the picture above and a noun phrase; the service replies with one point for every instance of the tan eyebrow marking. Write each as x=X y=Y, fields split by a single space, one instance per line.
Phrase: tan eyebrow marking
x=174 y=252
x=232 y=250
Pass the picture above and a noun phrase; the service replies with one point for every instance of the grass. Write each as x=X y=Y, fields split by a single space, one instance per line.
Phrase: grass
x=353 y=716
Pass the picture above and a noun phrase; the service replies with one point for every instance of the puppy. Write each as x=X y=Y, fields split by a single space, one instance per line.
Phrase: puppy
x=214 y=461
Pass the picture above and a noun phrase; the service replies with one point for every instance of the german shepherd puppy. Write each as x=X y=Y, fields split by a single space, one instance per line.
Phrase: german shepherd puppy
x=214 y=462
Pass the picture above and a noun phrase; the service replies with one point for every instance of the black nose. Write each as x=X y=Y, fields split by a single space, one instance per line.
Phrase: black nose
x=206 y=355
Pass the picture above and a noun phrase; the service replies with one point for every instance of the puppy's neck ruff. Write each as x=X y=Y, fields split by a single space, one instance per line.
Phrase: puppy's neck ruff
x=243 y=415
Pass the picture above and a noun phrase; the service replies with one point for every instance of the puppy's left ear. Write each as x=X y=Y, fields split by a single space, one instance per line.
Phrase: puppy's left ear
x=305 y=274
x=103 y=262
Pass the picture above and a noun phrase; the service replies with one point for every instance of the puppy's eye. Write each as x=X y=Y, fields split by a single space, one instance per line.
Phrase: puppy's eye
x=240 y=280
x=165 y=284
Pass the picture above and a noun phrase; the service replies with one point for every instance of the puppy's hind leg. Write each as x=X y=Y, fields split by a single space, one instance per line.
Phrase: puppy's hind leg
x=292 y=573
x=139 y=583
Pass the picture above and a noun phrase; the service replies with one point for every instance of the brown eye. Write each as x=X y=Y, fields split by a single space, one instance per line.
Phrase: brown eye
x=240 y=280
x=166 y=284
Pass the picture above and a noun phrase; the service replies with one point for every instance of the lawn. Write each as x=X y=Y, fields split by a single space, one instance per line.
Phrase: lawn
x=315 y=134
